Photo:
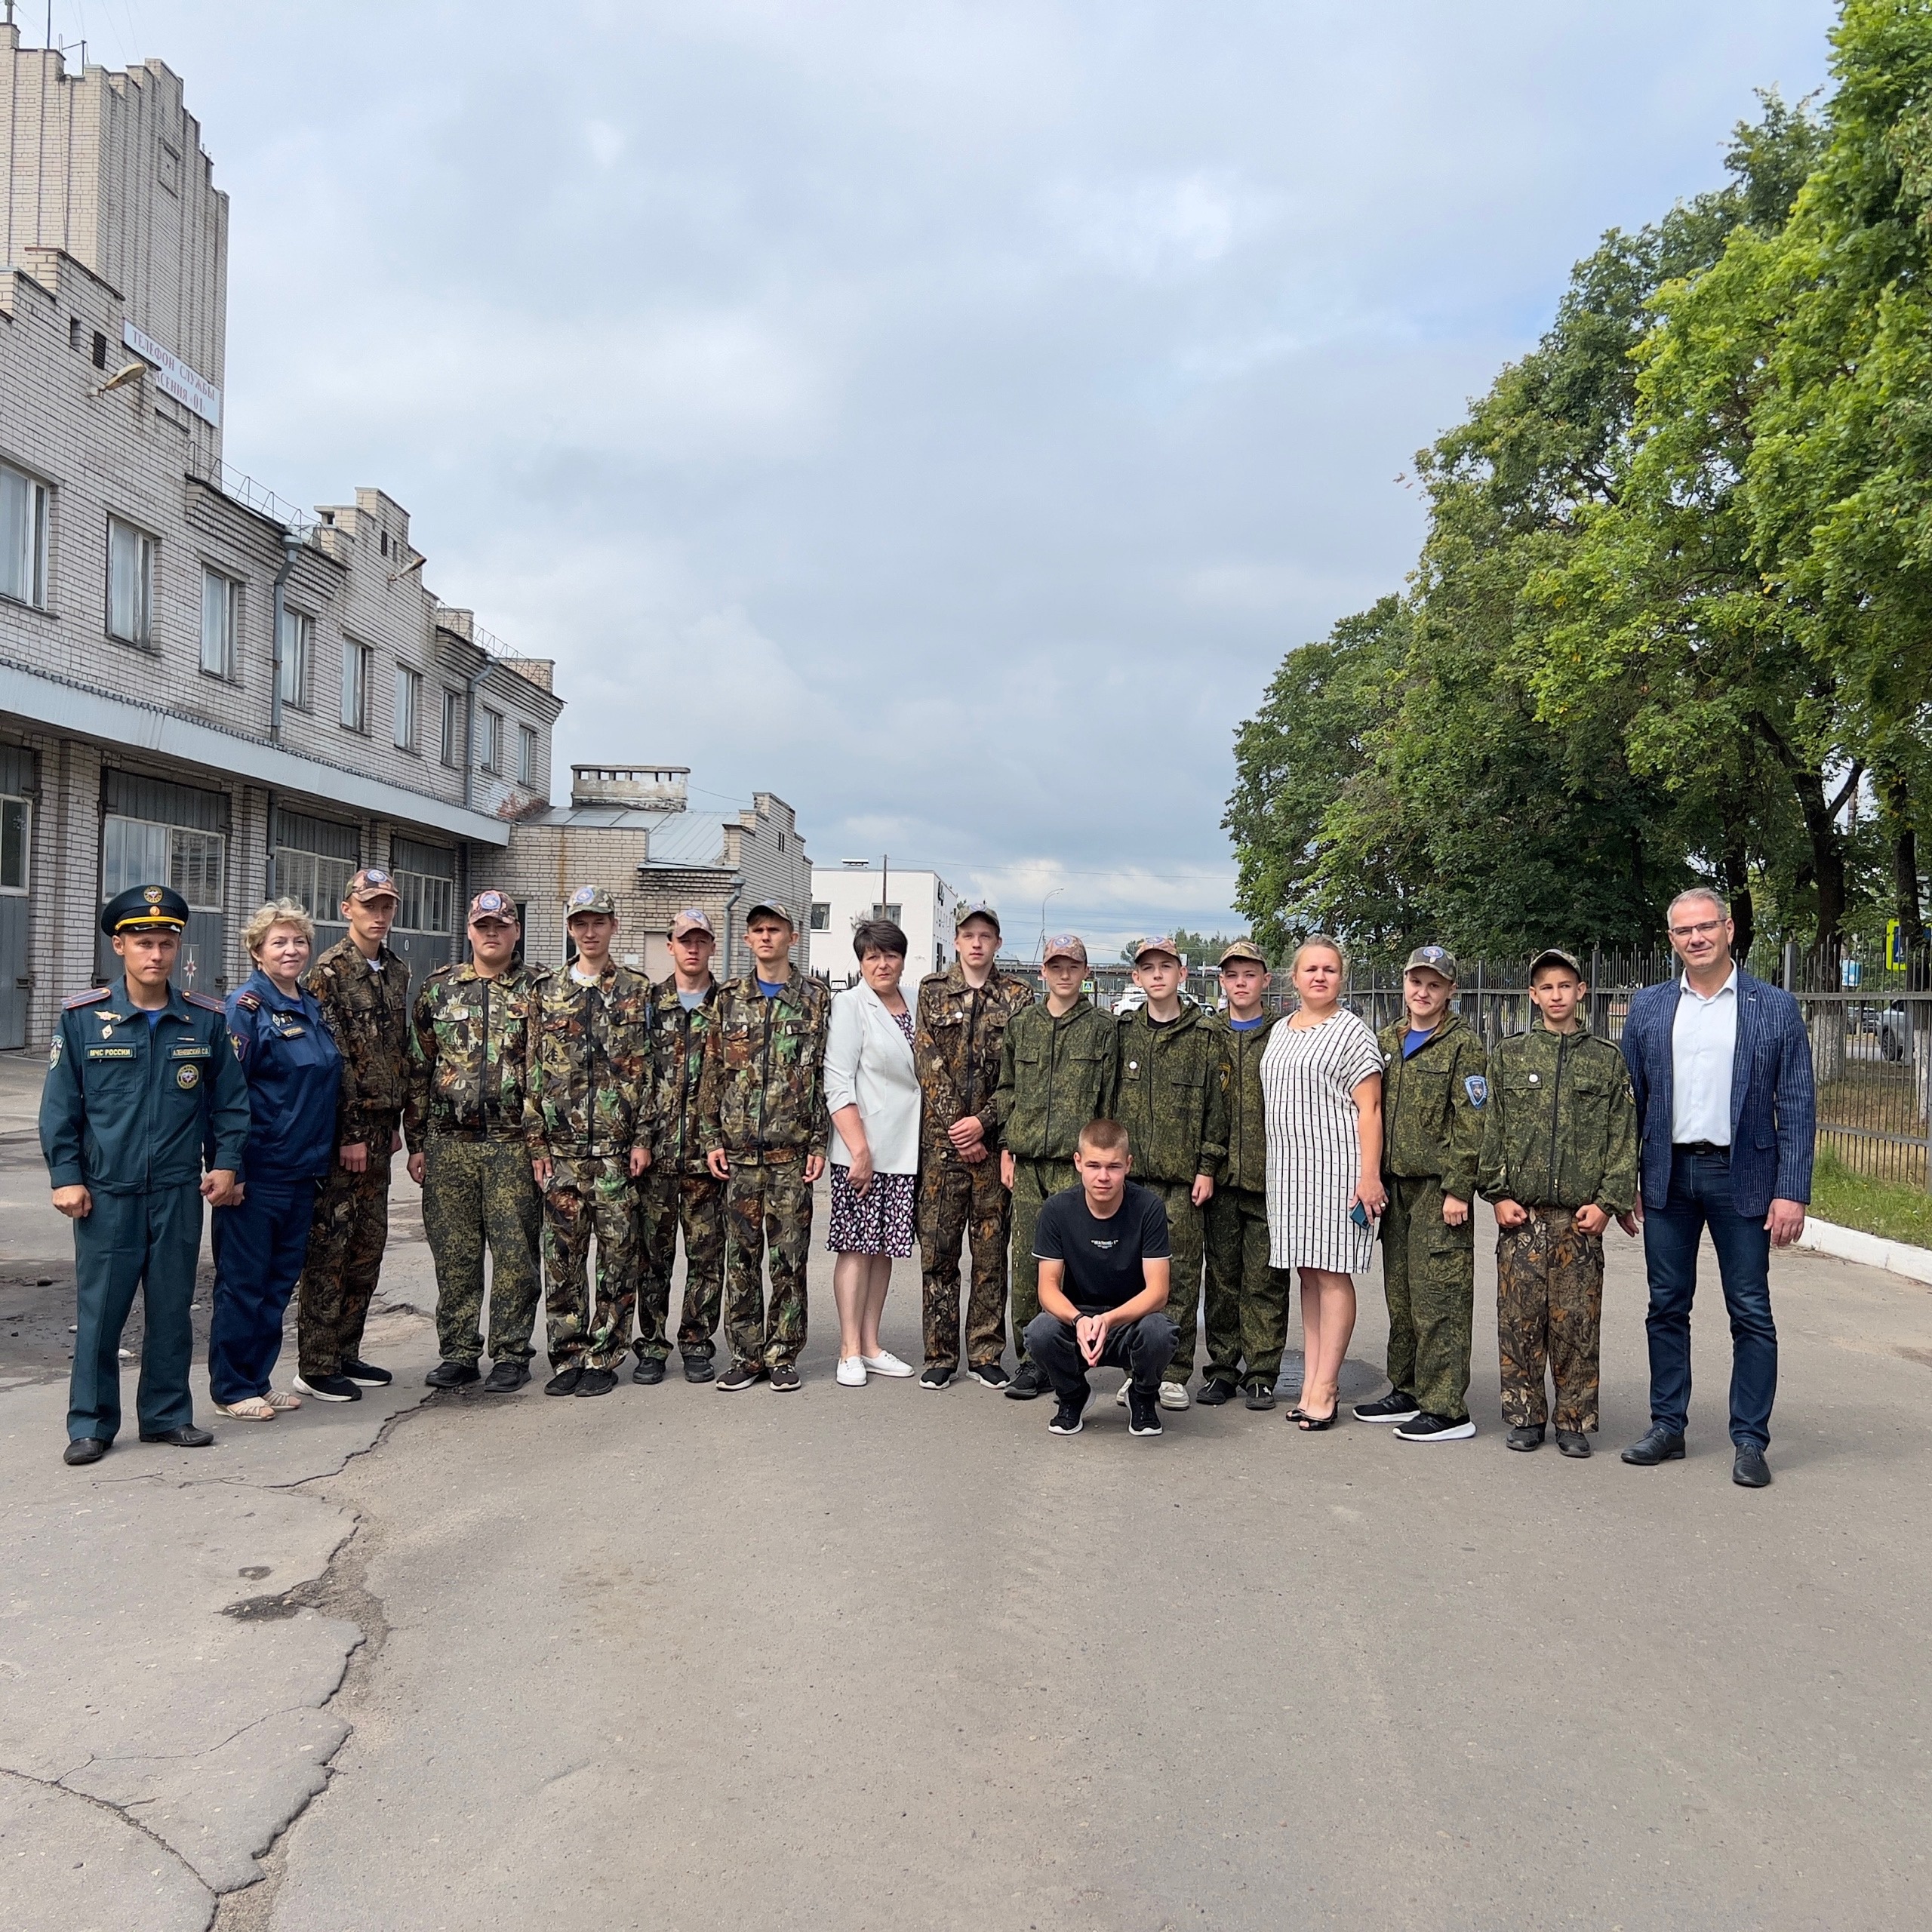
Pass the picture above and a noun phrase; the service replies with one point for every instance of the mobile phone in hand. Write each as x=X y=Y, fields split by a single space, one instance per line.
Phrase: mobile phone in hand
x=1359 y=1215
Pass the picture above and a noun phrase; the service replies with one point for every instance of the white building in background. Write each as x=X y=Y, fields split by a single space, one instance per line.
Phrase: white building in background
x=921 y=902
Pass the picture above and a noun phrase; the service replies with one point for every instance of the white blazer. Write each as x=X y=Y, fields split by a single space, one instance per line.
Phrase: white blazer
x=869 y=1064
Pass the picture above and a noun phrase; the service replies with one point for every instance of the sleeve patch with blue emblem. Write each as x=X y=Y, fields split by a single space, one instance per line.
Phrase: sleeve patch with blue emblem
x=1477 y=1086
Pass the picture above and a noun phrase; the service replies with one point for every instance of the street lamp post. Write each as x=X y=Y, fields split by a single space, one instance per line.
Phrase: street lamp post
x=1040 y=949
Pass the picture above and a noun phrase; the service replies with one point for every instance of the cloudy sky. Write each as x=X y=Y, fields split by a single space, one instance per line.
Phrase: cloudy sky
x=944 y=416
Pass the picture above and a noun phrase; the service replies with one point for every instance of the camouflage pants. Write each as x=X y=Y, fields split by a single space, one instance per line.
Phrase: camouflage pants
x=592 y=1196
x=346 y=1238
x=1185 y=1229
x=665 y=1203
x=958 y=1200
x=475 y=1192
x=1428 y=1272
x=1247 y=1300
x=766 y=1205
x=1549 y=1307
x=1035 y=1183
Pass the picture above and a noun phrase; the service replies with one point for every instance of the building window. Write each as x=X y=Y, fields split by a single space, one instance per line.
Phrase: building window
x=15 y=818
x=23 y=537
x=821 y=916
x=320 y=883
x=137 y=851
x=891 y=911
x=355 y=686
x=452 y=726
x=298 y=648
x=526 y=757
x=781 y=841
x=489 y=751
x=221 y=623
x=425 y=906
x=129 y=582
x=408 y=705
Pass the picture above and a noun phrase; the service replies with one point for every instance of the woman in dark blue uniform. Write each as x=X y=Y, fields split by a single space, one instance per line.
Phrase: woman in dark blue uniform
x=294 y=1075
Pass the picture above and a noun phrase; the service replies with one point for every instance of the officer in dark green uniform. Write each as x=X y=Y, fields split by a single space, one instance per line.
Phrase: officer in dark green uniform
x=143 y=1085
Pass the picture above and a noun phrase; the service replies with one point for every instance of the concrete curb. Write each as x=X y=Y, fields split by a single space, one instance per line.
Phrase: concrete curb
x=1898 y=1257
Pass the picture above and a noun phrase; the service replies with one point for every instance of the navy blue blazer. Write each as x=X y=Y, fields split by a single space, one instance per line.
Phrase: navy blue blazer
x=1773 y=1103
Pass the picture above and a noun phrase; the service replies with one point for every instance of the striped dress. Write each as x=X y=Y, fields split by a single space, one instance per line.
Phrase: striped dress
x=1308 y=1076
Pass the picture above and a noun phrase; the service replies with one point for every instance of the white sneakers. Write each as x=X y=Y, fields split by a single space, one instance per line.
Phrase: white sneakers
x=851 y=1372
x=1174 y=1395
x=886 y=1363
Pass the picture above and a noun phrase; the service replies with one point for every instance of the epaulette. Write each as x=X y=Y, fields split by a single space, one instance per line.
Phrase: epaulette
x=443 y=971
x=202 y=1000
x=251 y=1000
x=87 y=998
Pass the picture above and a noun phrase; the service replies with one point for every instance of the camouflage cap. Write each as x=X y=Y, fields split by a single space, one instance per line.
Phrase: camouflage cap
x=590 y=899
x=1064 y=946
x=492 y=908
x=1161 y=943
x=691 y=920
x=974 y=908
x=371 y=882
x=1243 y=949
x=775 y=908
x=1433 y=959
x=1555 y=956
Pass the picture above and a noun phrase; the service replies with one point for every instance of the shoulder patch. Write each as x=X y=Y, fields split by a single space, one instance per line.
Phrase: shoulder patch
x=251 y=1000
x=1477 y=1086
x=207 y=1005
x=87 y=998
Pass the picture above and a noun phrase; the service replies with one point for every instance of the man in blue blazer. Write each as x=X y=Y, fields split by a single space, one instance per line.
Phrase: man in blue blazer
x=1721 y=1065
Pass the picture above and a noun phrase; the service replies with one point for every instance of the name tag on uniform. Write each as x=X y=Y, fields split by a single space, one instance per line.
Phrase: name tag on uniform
x=110 y=1053
x=188 y=1053
x=291 y=1032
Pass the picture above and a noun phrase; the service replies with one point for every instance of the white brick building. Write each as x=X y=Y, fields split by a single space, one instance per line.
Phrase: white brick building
x=198 y=683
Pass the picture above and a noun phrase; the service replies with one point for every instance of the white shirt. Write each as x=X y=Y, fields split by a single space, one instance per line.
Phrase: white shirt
x=1703 y=1043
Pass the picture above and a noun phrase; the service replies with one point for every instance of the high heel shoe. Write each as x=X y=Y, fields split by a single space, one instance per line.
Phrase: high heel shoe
x=1311 y=1424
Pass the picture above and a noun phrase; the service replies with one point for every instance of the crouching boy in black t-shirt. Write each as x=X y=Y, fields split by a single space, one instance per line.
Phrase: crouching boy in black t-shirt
x=1104 y=1257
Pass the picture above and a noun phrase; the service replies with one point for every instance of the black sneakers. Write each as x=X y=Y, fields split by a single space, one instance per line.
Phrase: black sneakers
x=1067 y=1418
x=1423 y=1427
x=1572 y=1442
x=1028 y=1383
x=1215 y=1391
x=784 y=1377
x=741 y=1375
x=596 y=1382
x=1526 y=1437
x=697 y=1368
x=505 y=1378
x=989 y=1374
x=937 y=1375
x=444 y=1375
x=340 y=1389
x=1258 y=1394
x=563 y=1382
x=1397 y=1406
x=1143 y=1412
x=367 y=1375
x=649 y=1371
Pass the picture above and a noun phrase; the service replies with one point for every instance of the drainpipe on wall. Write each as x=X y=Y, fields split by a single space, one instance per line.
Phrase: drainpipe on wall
x=291 y=545
x=469 y=734
x=731 y=904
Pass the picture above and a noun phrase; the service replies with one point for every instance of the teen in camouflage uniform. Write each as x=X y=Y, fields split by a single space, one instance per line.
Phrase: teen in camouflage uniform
x=1433 y=1090
x=1559 y=1160
x=363 y=989
x=761 y=1110
x=588 y=1116
x=1175 y=1109
x=469 y=1049
x=961 y=1019
x=1247 y=1300
x=1058 y=1068
x=679 y=1190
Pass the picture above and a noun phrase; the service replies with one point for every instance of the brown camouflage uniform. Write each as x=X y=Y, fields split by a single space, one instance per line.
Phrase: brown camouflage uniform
x=469 y=1049
x=956 y=1040
x=368 y=1014
x=589 y=1104
x=678 y=1190
x=761 y=1100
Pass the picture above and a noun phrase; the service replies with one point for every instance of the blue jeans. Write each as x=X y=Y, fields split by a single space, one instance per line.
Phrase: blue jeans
x=1701 y=1198
x=259 y=1248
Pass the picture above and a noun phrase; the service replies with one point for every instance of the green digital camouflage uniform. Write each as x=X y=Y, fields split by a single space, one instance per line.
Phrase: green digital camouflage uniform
x=1561 y=1134
x=956 y=1040
x=1055 y=1075
x=469 y=1049
x=1247 y=1300
x=1432 y=1125
x=1175 y=1109
x=762 y=1100
x=678 y=1190
x=589 y=1104
x=368 y=1012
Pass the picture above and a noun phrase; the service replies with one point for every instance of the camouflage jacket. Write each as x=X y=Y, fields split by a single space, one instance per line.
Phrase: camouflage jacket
x=470 y=1052
x=677 y=1073
x=1432 y=1106
x=1055 y=1075
x=956 y=1039
x=1247 y=1164
x=762 y=1094
x=1559 y=1130
x=590 y=1092
x=1172 y=1102
x=368 y=1014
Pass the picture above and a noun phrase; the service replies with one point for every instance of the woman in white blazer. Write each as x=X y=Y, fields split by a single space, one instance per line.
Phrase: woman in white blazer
x=872 y=1091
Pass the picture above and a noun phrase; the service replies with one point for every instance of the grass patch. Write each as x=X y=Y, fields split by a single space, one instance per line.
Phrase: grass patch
x=1891 y=1210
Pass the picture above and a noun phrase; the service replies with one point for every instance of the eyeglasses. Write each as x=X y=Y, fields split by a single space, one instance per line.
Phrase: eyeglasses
x=1696 y=931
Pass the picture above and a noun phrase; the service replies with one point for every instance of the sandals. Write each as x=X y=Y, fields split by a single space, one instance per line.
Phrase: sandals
x=282 y=1399
x=250 y=1408
x=1310 y=1424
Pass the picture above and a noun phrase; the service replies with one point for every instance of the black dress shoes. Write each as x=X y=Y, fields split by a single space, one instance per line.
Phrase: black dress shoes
x=505 y=1378
x=84 y=1449
x=1660 y=1446
x=1751 y=1471
x=186 y=1437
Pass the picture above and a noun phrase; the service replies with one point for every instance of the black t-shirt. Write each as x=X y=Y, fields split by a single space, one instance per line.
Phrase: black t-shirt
x=1102 y=1258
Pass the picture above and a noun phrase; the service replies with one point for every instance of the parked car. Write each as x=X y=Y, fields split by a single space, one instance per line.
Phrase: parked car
x=1132 y=1000
x=1893 y=1025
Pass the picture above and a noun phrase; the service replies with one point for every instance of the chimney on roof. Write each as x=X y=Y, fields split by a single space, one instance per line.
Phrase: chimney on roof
x=646 y=788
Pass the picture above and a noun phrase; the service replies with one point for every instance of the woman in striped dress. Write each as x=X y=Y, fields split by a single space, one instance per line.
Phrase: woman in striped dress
x=1322 y=1091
